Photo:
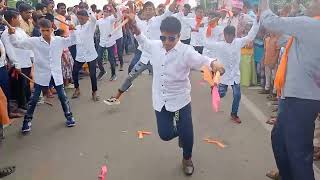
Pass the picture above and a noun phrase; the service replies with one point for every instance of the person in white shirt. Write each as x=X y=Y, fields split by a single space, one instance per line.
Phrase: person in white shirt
x=86 y=52
x=184 y=18
x=140 y=62
x=172 y=62
x=21 y=60
x=118 y=35
x=47 y=67
x=198 y=30
x=107 y=42
x=229 y=53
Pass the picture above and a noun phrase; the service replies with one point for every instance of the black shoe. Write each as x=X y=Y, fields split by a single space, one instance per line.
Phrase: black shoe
x=188 y=167
x=7 y=171
x=101 y=74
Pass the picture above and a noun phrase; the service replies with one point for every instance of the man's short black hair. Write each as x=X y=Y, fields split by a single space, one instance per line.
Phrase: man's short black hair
x=25 y=7
x=36 y=16
x=230 y=30
x=10 y=14
x=148 y=4
x=199 y=8
x=59 y=5
x=171 y=25
x=45 y=23
x=93 y=7
x=40 y=6
x=187 y=6
x=82 y=12
x=19 y=3
x=49 y=17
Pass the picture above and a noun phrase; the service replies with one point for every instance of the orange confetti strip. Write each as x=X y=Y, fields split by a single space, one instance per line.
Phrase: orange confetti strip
x=141 y=134
x=216 y=142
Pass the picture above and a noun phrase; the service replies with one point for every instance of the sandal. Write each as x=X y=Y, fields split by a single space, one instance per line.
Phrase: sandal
x=272 y=121
x=7 y=171
x=273 y=175
x=76 y=94
x=316 y=154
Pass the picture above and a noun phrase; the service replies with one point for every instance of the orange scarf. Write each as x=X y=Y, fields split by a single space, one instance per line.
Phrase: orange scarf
x=198 y=21
x=280 y=78
x=211 y=25
x=4 y=119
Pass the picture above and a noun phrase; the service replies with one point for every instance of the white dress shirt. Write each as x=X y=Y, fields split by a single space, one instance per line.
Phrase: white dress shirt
x=171 y=84
x=185 y=25
x=105 y=27
x=19 y=57
x=47 y=62
x=198 y=38
x=151 y=29
x=3 y=55
x=86 y=51
x=230 y=55
x=217 y=36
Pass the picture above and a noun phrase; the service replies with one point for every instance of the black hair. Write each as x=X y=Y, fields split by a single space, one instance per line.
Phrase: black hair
x=25 y=7
x=187 y=6
x=9 y=15
x=36 y=16
x=59 y=5
x=47 y=2
x=40 y=6
x=98 y=10
x=171 y=25
x=49 y=17
x=45 y=23
x=148 y=4
x=19 y=3
x=230 y=30
x=69 y=9
x=82 y=12
x=199 y=8
x=93 y=7
x=83 y=5
x=58 y=32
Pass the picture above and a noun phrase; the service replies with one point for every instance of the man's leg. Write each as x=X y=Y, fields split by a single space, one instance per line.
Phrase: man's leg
x=21 y=92
x=77 y=66
x=31 y=107
x=135 y=72
x=298 y=134
x=93 y=77
x=120 y=52
x=65 y=105
x=112 y=61
x=222 y=88
x=27 y=88
x=236 y=99
x=166 y=129
x=4 y=84
x=268 y=79
x=134 y=60
x=101 y=51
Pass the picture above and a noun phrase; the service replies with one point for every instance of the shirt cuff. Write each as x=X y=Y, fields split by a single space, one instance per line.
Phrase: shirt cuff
x=266 y=13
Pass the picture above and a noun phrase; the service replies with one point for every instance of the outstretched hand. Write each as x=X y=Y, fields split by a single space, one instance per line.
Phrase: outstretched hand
x=133 y=24
x=217 y=67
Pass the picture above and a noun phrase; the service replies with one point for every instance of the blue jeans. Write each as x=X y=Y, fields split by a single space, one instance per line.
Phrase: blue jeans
x=184 y=130
x=236 y=96
x=111 y=58
x=134 y=60
x=35 y=97
x=292 y=138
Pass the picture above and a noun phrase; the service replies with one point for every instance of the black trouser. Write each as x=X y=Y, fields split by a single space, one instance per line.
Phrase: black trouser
x=77 y=66
x=20 y=87
x=111 y=59
x=199 y=49
x=120 y=50
x=187 y=41
x=73 y=51
x=4 y=84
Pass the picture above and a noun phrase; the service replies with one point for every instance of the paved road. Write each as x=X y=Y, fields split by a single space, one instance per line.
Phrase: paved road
x=53 y=152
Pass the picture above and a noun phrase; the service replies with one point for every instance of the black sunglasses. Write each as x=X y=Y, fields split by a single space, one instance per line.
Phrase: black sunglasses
x=170 y=38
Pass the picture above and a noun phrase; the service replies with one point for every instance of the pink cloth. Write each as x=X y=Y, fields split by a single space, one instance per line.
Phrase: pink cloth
x=215 y=99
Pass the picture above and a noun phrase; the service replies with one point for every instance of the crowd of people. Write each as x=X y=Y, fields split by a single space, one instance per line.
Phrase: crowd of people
x=46 y=49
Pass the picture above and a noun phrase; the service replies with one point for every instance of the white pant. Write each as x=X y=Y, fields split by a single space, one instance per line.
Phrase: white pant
x=270 y=75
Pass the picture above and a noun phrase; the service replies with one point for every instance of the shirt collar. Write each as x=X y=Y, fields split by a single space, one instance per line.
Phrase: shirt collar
x=42 y=40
